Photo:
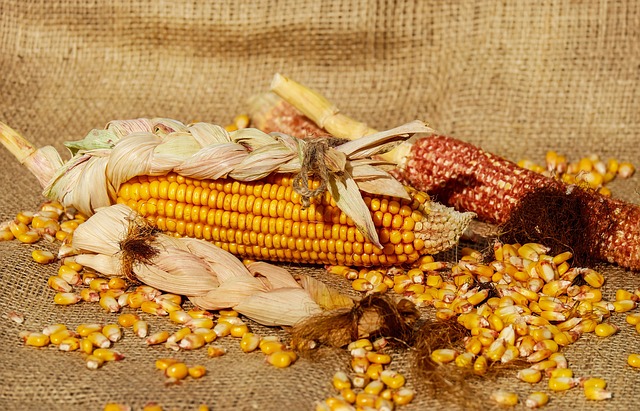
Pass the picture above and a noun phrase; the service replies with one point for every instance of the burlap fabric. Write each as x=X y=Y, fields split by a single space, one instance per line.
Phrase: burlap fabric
x=517 y=78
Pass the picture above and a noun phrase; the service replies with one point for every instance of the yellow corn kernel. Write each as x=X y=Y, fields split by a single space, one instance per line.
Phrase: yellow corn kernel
x=504 y=397
x=622 y=306
x=378 y=358
x=480 y=365
x=593 y=278
x=249 y=342
x=443 y=355
x=35 y=339
x=69 y=344
x=157 y=338
x=392 y=379
x=364 y=399
x=633 y=319
x=341 y=380
x=127 y=320
x=594 y=382
x=99 y=284
x=93 y=362
x=634 y=360
x=42 y=256
x=86 y=346
x=208 y=334
x=163 y=363
x=544 y=365
x=53 y=328
x=561 y=372
x=99 y=340
x=537 y=399
x=625 y=169
x=529 y=375
x=280 y=359
x=374 y=387
x=238 y=330
x=152 y=307
x=550 y=345
x=539 y=355
x=109 y=304
x=197 y=371
x=117 y=283
x=268 y=346
x=215 y=351
x=177 y=371
x=222 y=329
x=563 y=383
x=596 y=393
x=66 y=298
x=403 y=396
x=113 y=332
x=204 y=322
x=606 y=329
x=180 y=317
x=465 y=359
x=107 y=354
x=192 y=341
x=57 y=337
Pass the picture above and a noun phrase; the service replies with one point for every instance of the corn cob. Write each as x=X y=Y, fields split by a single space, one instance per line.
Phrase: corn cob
x=251 y=193
x=266 y=220
x=497 y=190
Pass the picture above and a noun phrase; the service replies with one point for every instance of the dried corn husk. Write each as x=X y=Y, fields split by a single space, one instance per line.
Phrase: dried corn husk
x=105 y=159
x=209 y=276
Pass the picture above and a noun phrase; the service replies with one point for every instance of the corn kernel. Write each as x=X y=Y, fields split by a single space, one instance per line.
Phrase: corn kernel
x=215 y=351
x=157 y=338
x=563 y=383
x=93 y=362
x=107 y=354
x=392 y=379
x=42 y=256
x=163 y=363
x=529 y=375
x=37 y=340
x=197 y=371
x=249 y=342
x=504 y=397
x=177 y=371
x=443 y=355
x=537 y=399
x=596 y=393
x=634 y=360
x=280 y=359
x=403 y=396
x=606 y=329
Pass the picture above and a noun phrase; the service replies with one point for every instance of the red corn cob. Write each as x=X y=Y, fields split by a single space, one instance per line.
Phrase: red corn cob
x=527 y=205
x=468 y=178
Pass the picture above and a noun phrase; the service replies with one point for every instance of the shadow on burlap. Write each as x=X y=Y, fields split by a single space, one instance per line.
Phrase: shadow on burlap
x=517 y=80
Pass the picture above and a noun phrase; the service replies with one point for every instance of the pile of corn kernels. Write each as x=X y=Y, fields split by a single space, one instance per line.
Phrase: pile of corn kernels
x=591 y=172
x=541 y=304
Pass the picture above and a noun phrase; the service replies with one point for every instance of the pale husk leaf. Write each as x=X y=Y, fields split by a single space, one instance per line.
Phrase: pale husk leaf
x=383 y=141
x=224 y=264
x=230 y=293
x=326 y=297
x=282 y=306
x=374 y=180
x=207 y=134
x=103 y=232
x=347 y=196
x=107 y=265
x=213 y=162
x=277 y=277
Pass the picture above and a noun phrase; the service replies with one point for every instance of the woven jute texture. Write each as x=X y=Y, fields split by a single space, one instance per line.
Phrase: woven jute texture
x=515 y=77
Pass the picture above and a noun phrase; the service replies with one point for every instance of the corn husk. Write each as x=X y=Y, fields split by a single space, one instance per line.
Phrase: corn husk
x=207 y=275
x=105 y=159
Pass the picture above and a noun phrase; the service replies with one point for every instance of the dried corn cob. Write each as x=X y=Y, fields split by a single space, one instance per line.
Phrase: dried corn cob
x=497 y=190
x=252 y=193
x=267 y=220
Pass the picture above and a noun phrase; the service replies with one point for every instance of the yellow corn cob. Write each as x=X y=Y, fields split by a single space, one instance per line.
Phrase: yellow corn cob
x=265 y=219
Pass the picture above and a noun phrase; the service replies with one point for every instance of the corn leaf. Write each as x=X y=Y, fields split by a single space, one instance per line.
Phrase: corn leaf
x=346 y=194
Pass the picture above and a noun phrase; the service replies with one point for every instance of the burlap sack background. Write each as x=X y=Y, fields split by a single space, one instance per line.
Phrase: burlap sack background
x=517 y=78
